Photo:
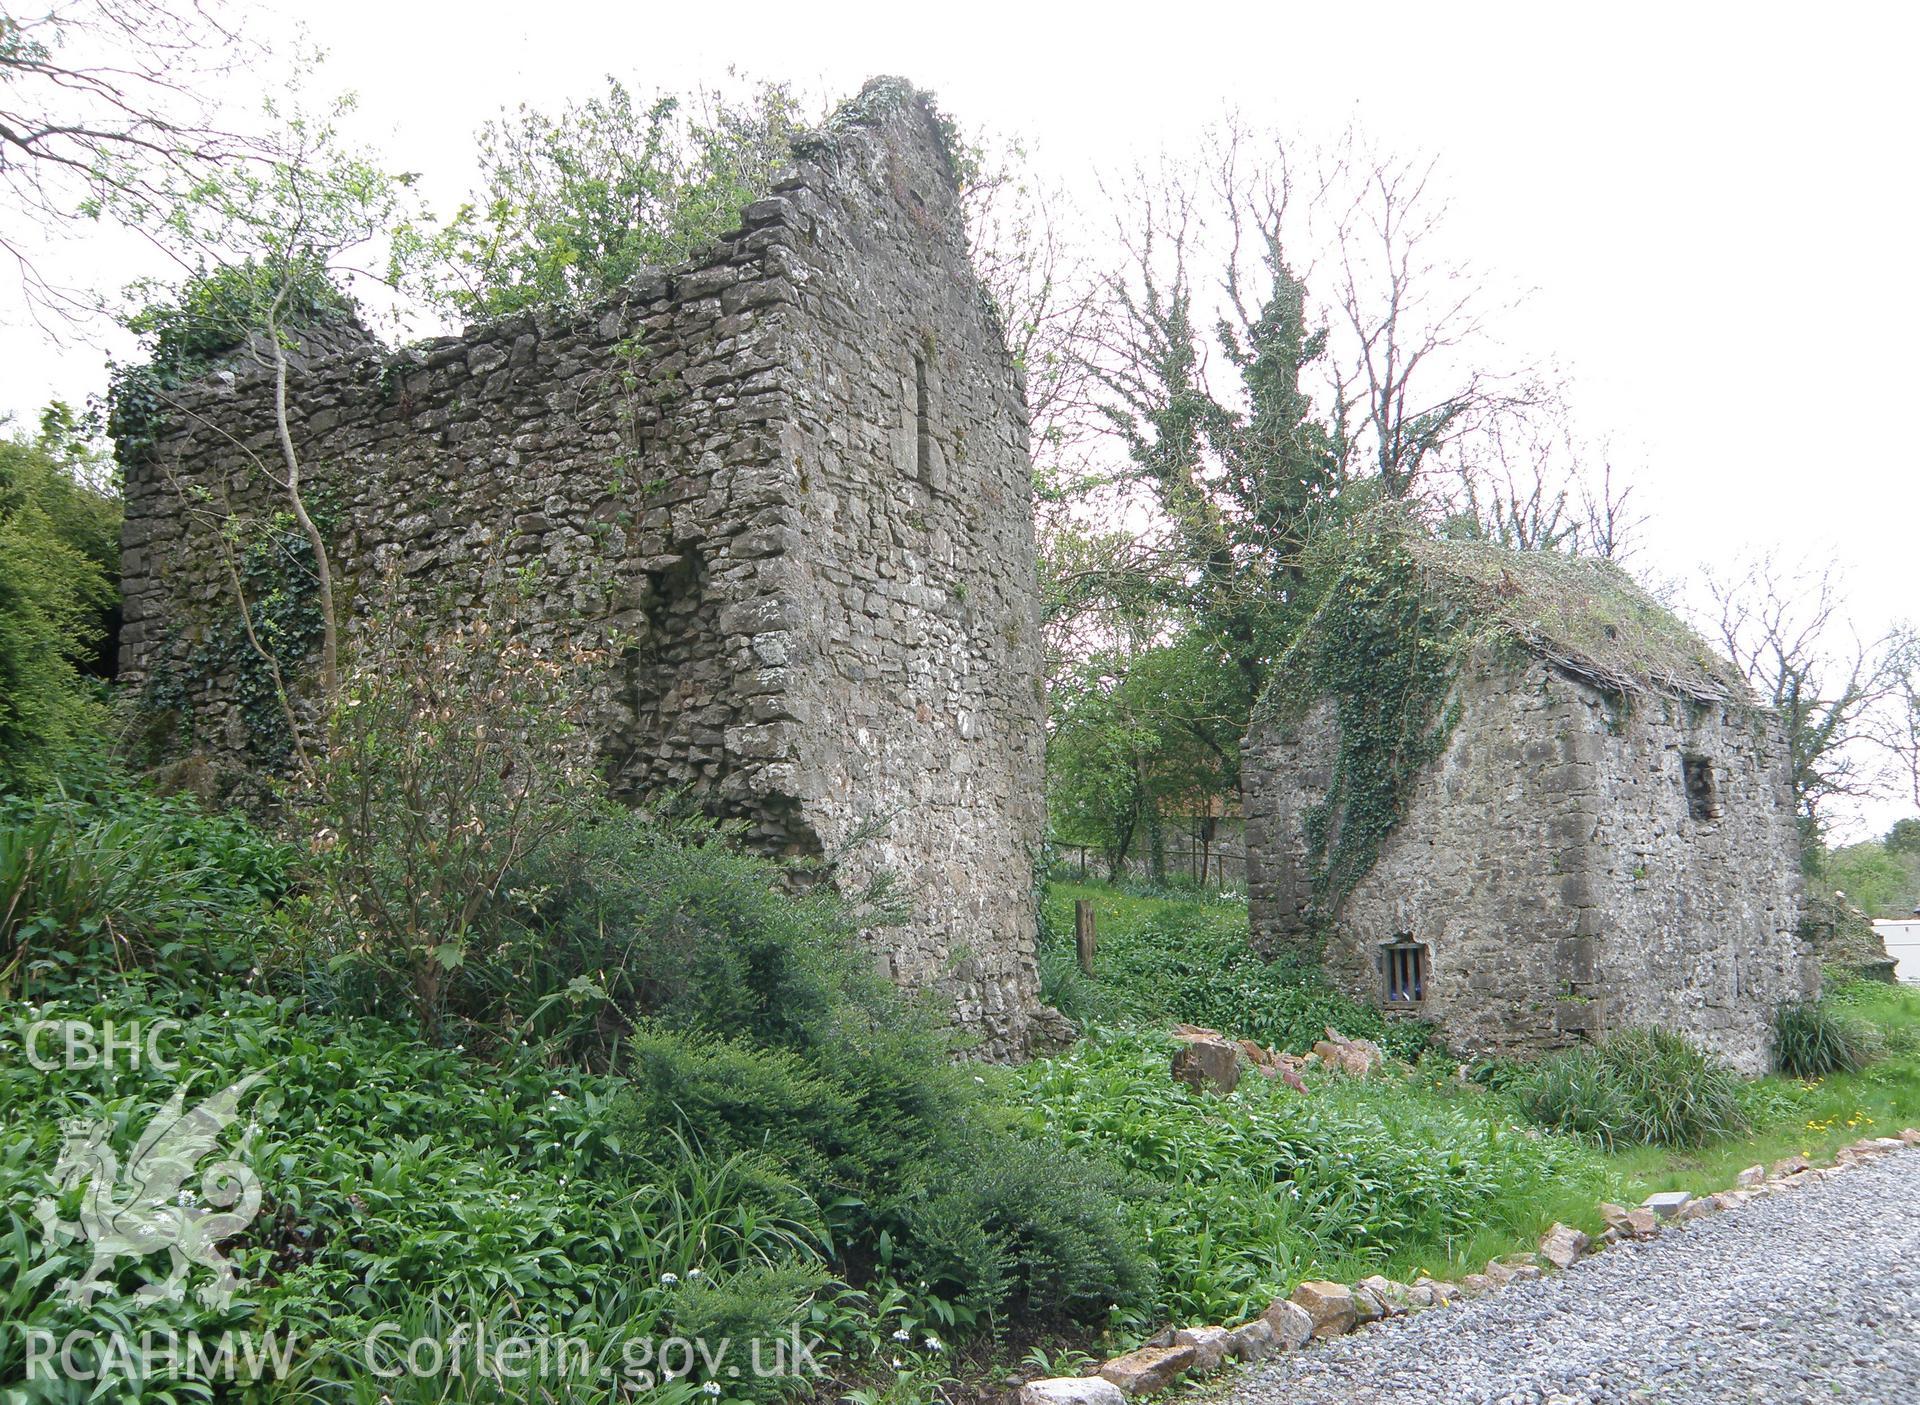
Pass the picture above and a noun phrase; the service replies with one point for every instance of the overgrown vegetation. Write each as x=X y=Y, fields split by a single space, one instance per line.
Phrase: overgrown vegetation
x=687 y=1101
x=1164 y=960
x=209 y=319
x=1382 y=646
x=59 y=559
x=1814 y=1039
x=574 y=204
x=666 y=1094
x=1252 y=1193
x=1639 y=1087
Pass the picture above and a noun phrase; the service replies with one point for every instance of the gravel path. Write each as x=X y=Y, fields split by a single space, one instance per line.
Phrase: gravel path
x=1808 y=1294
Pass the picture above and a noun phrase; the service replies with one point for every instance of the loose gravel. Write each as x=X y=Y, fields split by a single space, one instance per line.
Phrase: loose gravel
x=1808 y=1294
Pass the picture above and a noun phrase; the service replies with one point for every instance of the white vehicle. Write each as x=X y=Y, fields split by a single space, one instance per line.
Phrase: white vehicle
x=1902 y=940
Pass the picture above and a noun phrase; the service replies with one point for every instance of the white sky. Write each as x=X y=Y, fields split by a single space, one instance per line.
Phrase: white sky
x=1716 y=208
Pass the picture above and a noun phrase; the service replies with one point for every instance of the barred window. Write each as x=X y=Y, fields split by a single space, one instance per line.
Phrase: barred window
x=1404 y=964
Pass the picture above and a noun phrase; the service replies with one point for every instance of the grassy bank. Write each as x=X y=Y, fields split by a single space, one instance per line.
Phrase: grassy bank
x=1416 y=1170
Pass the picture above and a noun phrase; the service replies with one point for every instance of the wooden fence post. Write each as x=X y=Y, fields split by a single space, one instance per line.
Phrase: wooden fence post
x=1083 y=934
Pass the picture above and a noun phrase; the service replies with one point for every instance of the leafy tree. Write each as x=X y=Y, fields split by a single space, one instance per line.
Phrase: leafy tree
x=1876 y=878
x=58 y=560
x=573 y=205
x=268 y=240
x=1139 y=737
x=1904 y=837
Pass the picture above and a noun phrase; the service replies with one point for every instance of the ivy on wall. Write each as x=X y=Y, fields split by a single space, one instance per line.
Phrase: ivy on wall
x=203 y=325
x=1384 y=651
x=280 y=584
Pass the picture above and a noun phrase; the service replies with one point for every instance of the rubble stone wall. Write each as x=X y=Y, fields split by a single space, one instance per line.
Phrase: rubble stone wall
x=1554 y=867
x=787 y=482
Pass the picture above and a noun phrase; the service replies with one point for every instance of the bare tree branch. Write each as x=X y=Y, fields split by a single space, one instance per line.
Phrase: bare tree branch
x=105 y=102
x=1785 y=629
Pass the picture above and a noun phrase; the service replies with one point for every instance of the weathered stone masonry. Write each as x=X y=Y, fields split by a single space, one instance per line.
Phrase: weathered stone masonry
x=1575 y=862
x=793 y=475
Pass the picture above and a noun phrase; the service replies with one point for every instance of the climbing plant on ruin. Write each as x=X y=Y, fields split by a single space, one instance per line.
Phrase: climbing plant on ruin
x=1383 y=651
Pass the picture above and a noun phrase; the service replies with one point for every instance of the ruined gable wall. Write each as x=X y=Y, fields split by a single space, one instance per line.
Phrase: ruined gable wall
x=922 y=695
x=1549 y=862
x=629 y=454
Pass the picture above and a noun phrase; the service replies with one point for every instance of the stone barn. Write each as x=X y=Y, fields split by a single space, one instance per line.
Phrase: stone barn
x=1597 y=832
x=790 y=475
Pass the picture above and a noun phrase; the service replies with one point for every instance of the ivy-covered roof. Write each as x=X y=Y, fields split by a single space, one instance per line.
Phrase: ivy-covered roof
x=1587 y=617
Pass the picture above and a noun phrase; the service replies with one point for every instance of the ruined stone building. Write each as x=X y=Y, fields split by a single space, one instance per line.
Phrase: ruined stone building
x=791 y=474
x=1603 y=835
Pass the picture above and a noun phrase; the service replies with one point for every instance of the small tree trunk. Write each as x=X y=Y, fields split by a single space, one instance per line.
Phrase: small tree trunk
x=290 y=461
x=1156 y=843
x=1083 y=933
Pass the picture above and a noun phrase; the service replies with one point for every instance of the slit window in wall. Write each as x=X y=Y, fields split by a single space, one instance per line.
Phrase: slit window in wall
x=923 y=422
x=1703 y=796
x=1403 y=964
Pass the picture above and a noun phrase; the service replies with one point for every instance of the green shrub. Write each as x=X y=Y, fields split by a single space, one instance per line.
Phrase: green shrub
x=1640 y=1087
x=1812 y=1040
x=58 y=561
x=1014 y=1230
x=897 y=1145
x=671 y=919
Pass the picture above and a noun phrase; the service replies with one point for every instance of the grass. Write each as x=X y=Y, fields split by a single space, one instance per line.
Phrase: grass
x=1166 y=959
x=1412 y=1172
x=1808 y=1117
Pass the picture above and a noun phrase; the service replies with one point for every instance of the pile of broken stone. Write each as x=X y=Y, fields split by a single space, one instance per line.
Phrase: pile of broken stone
x=1319 y=1310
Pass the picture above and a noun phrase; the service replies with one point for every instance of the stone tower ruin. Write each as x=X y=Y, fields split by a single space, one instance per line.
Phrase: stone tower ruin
x=794 y=471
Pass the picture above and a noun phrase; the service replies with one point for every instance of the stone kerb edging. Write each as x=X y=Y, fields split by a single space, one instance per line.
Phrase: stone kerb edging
x=1320 y=1310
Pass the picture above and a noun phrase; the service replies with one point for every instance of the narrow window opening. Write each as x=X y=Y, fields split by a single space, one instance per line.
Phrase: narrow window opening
x=1703 y=800
x=1404 y=965
x=923 y=419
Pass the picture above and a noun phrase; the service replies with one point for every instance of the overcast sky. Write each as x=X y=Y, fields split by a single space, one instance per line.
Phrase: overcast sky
x=1715 y=209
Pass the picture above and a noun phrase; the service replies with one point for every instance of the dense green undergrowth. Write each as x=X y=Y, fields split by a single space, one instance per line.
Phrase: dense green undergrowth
x=667 y=1098
x=1257 y=1191
x=1187 y=959
x=1419 y=1169
x=697 y=1114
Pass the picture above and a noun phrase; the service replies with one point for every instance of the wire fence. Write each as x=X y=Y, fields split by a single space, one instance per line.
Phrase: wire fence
x=1219 y=863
